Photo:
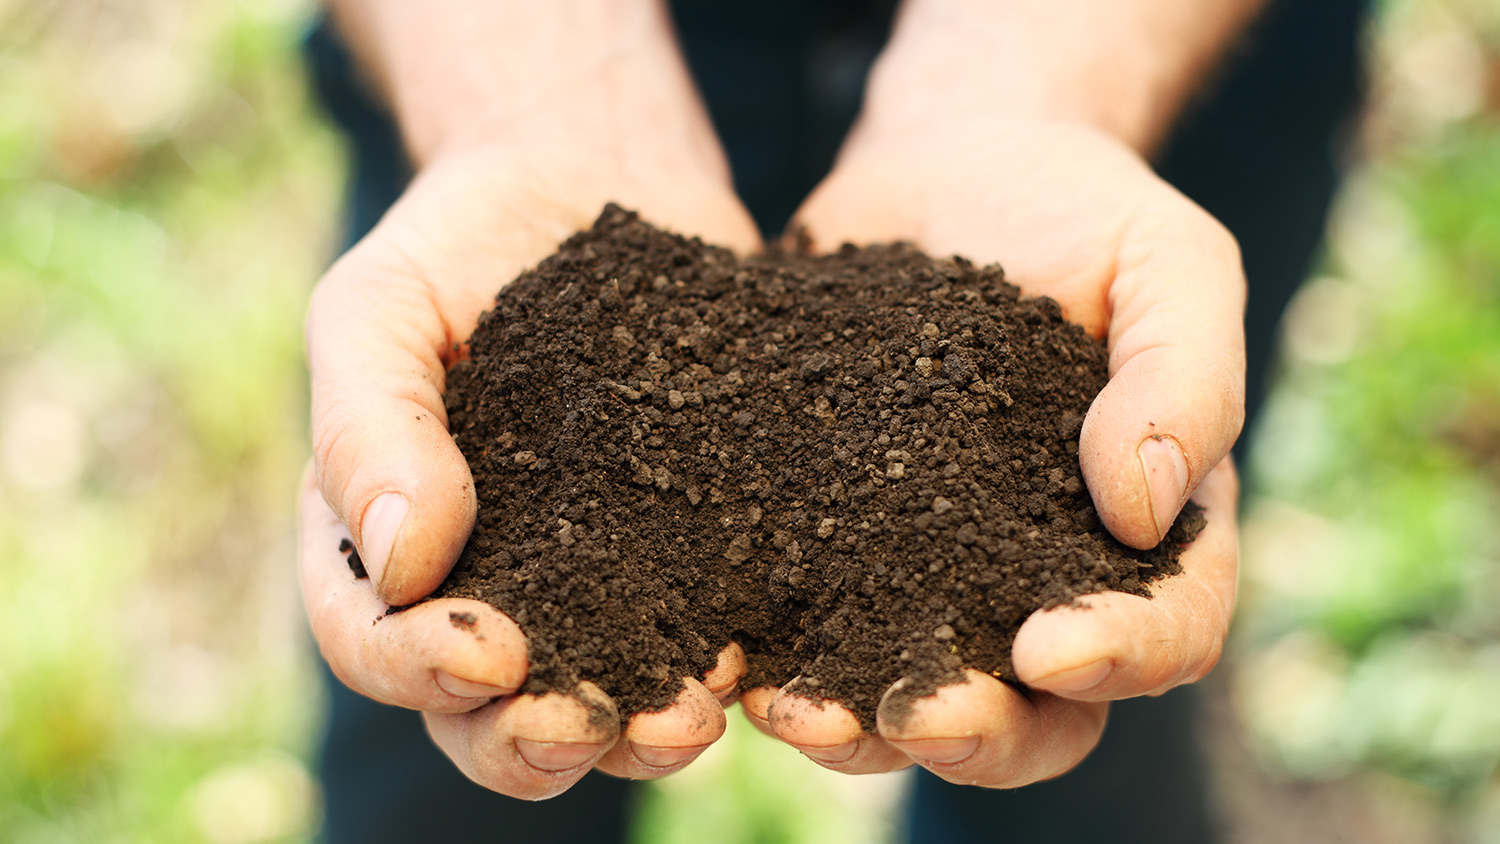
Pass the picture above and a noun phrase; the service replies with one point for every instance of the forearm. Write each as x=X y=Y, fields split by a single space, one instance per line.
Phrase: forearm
x=1126 y=67
x=602 y=78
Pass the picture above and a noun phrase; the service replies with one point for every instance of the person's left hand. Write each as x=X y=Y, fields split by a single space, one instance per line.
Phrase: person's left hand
x=1076 y=215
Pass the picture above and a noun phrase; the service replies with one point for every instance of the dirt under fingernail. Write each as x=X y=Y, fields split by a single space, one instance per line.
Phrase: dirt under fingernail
x=860 y=466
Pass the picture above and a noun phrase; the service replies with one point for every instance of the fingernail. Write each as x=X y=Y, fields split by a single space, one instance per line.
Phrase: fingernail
x=665 y=757
x=1166 y=479
x=1079 y=679
x=459 y=687
x=557 y=755
x=378 y=529
x=834 y=753
x=943 y=751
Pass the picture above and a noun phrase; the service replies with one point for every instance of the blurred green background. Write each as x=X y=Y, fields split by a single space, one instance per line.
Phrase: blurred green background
x=168 y=195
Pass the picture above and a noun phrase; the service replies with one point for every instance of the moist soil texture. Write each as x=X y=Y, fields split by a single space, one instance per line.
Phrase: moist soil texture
x=860 y=466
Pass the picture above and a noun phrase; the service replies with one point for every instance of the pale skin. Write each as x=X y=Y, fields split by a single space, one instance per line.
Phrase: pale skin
x=517 y=148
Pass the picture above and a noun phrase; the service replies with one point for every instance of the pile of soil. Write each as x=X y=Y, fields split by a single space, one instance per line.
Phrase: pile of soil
x=860 y=466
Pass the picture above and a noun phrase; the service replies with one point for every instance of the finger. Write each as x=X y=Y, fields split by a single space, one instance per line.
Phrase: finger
x=723 y=680
x=657 y=743
x=982 y=732
x=376 y=346
x=756 y=704
x=527 y=746
x=1117 y=645
x=1175 y=401
x=449 y=655
x=830 y=735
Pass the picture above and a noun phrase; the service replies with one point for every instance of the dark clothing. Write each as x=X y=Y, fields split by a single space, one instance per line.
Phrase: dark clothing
x=783 y=81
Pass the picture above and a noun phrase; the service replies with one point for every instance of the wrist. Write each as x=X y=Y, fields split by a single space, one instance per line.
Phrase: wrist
x=592 y=79
x=1126 y=72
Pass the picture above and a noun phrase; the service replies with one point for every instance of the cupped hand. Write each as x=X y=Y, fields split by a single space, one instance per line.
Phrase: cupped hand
x=383 y=326
x=1073 y=214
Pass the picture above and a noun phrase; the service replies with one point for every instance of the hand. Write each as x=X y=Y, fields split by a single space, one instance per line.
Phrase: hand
x=381 y=330
x=1078 y=216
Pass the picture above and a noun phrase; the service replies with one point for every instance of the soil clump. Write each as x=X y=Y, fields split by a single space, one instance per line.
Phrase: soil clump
x=861 y=466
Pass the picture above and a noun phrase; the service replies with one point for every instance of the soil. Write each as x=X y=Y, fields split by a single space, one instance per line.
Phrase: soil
x=356 y=565
x=860 y=466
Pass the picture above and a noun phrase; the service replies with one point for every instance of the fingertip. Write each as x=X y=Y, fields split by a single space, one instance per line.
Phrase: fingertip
x=812 y=725
x=428 y=535
x=756 y=704
x=657 y=743
x=724 y=678
x=490 y=648
x=694 y=718
x=483 y=743
x=587 y=716
x=558 y=733
x=1072 y=651
x=945 y=727
x=983 y=732
x=947 y=712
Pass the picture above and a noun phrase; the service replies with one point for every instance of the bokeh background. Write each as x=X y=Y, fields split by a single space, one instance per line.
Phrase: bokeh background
x=168 y=194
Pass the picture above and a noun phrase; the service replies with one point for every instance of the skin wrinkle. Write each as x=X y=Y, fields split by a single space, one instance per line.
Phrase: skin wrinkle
x=396 y=317
x=435 y=375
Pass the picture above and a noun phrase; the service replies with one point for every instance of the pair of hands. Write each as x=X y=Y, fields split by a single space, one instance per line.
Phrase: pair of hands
x=1070 y=213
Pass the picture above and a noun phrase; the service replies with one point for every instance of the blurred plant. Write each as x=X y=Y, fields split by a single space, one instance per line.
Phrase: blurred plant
x=1372 y=623
x=749 y=789
x=168 y=197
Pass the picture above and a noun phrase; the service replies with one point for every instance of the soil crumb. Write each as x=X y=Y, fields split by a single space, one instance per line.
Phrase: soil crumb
x=356 y=565
x=861 y=466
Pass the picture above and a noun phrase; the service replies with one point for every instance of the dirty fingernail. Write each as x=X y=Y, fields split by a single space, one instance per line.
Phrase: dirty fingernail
x=378 y=530
x=1166 y=473
x=944 y=751
x=459 y=687
x=557 y=755
x=1079 y=679
x=665 y=757
x=833 y=753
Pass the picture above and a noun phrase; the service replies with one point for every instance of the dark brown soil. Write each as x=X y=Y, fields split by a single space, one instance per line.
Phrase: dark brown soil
x=861 y=466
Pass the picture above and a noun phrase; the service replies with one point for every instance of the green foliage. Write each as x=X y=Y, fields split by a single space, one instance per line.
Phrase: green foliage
x=750 y=789
x=1373 y=550
x=168 y=198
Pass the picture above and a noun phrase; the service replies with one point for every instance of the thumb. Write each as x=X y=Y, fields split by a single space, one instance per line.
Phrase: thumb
x=1175 y=401
x=385 y=462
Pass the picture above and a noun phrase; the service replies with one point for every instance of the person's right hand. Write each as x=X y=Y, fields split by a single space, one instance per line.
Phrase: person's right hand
x=383 y=326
